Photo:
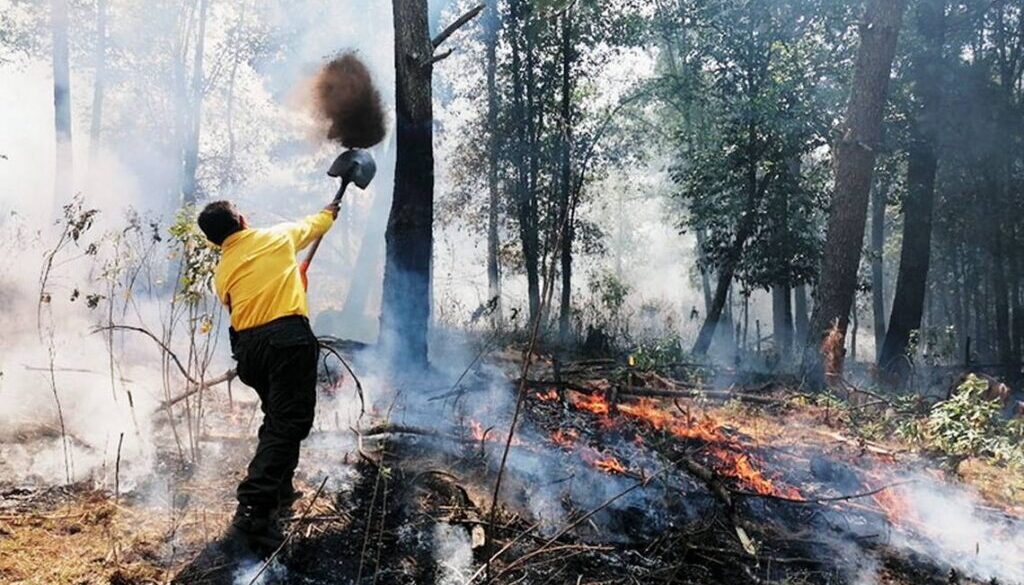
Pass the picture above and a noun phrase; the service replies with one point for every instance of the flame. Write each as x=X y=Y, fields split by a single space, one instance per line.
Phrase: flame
x=564 y=439
x=590 y=402
x=730 y=457
x=479 y=434
x=548 y=396
x=896 y=509
x=477 y=429
x=602 y=461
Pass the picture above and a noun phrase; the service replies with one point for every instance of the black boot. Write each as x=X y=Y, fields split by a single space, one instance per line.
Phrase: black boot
x=288 y=496
x=257 y=529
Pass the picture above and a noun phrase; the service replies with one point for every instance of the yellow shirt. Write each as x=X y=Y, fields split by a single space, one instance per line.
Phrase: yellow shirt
x=257 y=277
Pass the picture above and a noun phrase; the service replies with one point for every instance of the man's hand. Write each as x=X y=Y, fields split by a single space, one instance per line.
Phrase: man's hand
x=333 y=208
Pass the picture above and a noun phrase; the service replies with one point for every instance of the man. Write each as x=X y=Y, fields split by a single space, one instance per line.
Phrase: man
x=259 y=281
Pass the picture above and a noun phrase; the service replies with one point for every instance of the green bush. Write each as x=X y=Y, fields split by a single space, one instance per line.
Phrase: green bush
x=969 y=425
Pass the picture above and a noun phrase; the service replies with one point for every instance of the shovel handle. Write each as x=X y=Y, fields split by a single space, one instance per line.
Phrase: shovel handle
x=304 y=265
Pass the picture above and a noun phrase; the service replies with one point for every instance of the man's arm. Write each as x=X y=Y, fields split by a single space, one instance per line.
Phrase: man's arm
x=303 y=232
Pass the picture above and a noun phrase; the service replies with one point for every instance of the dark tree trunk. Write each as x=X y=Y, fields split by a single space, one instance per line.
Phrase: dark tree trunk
x=64 y=170
x=1002 y=300
x=922 y=162
x=493 y=24
x=854 y=165
x=877 y=263
x=1017 y=320
x=405 y=305
x=705 y=276
x=566 y=203
x=755 y=190
x=189 y=187
x=782 y=319
x=99 y=84
x=725 y=275
x=526 y=203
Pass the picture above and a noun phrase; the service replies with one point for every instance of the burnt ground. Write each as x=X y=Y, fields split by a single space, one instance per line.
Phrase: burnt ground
x=413 y=509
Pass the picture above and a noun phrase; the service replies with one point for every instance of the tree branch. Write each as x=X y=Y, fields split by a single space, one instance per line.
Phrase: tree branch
x=459 y=23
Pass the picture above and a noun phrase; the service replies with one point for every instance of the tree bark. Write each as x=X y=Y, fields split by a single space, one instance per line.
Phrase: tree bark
x=405 y=306
x=877 y=263
x=64 y=169
x=854 y=165
x=99 y=84
x=705 y=276
x=190 y=164
x=492 y=26
x=922 y=163
x=566 y=211
x=1002 y=300
x=782 y=320
x=755 y=191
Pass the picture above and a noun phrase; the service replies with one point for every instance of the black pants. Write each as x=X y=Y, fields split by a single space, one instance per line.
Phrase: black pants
x=279 y=361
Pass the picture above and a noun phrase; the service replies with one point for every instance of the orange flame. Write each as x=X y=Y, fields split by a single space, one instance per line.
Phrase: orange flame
x=590 y=402
x=564 y=439
x=479 y=434
x=604 y=462
x=731 y=458
x=548 y=396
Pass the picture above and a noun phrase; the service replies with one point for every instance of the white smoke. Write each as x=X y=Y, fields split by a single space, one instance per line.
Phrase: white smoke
x=453 y=553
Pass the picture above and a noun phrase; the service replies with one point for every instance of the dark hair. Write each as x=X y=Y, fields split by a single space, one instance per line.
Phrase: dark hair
x=218 y=220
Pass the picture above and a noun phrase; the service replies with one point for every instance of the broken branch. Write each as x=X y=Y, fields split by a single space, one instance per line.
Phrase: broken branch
x=453 y=27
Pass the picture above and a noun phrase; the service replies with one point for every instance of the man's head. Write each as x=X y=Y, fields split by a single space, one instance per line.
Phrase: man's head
x=220 y=219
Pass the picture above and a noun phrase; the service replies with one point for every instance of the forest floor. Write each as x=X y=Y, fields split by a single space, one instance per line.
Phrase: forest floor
x=646 y=479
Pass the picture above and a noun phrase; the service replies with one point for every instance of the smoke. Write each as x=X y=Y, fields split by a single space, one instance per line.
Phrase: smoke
x=948 y=525
x=247 y=572
x=453 y=553
x=346 y=99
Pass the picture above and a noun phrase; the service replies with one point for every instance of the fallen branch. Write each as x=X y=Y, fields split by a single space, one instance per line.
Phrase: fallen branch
x=227 y=376
x=810 y=501
x=697 y=393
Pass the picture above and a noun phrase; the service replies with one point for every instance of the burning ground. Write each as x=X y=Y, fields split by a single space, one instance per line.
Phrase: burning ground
x=612 y=476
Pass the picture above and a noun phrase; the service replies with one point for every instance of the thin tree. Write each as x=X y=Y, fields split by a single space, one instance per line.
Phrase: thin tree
x=191 y=151
x=99 y=83
x=64 y=170
x=492 y=26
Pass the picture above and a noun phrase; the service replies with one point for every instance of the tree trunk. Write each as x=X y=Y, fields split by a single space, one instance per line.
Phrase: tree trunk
x=64 y=170
x=99 y=84
x=1017 y=321
x=922 y=162
x=755 y=190
x=877 y=263
x=1002 y=294
x=854 y=165
x=405 y=306
x=493 y=24
x=566 y=204
x=526 y=203
x=191 y=154
x=705 y=276
x=782 y=320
